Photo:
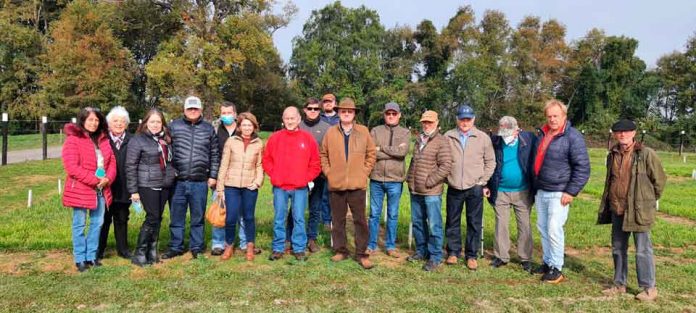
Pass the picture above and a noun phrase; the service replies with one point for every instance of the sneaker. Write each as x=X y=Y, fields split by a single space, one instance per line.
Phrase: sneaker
x=553 y=276
x=614 y=290
x=527 y=267
x=170 y=254
x=365 y=263
x=498 y=263
x=300 y=256
x=313 y=246
x=275 y=256
x=431 y=266
x=216 y=251
x=339 y=257
x=648 y=294
x=452 y=260
x=392 y=253
x=471 y=264
x=415 y=258
x=543 y=269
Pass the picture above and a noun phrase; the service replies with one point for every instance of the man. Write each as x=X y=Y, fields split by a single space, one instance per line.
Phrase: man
x=196 y=158
x=561 y=170
x=118 y=120
x=347 y=158
x=430 y=165
x=328 y=102
x=225 y=128
x=291 y=160
x=387 y=177
x=510 y=186
x=473 y=163
x=634 y=182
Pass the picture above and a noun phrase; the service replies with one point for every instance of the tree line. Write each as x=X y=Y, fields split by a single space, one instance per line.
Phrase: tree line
x=57 y=56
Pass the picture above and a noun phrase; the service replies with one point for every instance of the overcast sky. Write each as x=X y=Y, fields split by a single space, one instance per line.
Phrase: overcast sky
x=660 y=26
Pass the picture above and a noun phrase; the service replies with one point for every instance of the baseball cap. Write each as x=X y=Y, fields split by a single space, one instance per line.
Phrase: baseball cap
x=465 y=111
x=392 y=106
x=192 y=103
x=429 y=116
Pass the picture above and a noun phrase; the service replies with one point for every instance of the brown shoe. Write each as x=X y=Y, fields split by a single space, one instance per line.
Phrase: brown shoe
x=338 y=257
x=228 y=253
x=471 y=264
x=392 y=253
x=614 y=291
x=649 y=294
x=250 y=251
x=451 y=260
x=313 y=246
x=365 y=263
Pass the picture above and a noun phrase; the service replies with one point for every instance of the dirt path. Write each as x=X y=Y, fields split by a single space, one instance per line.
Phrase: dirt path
x=676 y=219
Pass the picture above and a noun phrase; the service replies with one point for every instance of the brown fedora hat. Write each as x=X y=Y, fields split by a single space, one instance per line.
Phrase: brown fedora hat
x=347 y=103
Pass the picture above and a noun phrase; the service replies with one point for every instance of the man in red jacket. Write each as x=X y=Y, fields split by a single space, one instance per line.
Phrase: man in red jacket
x=291 y=160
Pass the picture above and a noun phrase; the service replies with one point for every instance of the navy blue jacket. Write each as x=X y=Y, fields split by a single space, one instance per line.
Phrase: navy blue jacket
x=566 y=165
x=196 y=149
x=525 y=157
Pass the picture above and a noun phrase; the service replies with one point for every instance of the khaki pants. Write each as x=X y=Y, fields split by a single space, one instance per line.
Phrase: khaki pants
x=522 y=204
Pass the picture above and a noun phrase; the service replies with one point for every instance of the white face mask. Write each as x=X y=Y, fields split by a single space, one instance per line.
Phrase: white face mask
x=509 y=140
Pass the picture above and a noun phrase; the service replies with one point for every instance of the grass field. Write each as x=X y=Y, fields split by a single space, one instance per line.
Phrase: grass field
x=32 y=141
x=37 y=272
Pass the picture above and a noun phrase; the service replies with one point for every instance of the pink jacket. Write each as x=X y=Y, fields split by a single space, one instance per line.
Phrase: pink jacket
x=80 y=163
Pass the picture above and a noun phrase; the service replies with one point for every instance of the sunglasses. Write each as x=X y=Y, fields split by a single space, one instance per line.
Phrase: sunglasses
x=391 y=114
x=312 y=109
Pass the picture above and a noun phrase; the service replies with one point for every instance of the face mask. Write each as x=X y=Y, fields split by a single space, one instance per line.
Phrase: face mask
x=509 y=139
x=227 y=119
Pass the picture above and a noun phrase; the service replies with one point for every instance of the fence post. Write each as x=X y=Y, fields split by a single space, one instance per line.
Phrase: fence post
x=5 y=129
x=44 y=137
x=681 y=142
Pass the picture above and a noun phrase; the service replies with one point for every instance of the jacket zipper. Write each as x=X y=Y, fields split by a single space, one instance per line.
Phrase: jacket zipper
x=191 y=152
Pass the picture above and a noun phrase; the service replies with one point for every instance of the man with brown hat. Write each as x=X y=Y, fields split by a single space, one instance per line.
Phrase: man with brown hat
x=347 y=158
x=430 y=165
x=629 y=205
x=328 y=102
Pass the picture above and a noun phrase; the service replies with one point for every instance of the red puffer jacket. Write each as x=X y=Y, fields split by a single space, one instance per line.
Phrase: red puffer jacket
x=80 y=163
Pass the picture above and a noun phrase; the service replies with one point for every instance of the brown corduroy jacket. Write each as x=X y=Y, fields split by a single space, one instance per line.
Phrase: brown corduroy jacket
x=429 y=166
x=347 y=173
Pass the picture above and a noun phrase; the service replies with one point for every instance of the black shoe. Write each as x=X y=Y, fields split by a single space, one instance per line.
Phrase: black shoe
x=81 y=267
x=415 y=258
x=216 y=251
x=498 y=263
x=543 y=269
x=170 y=254
x=195 y=254
x=125 y=254
x=275 y=256
x=553 y=276
x=527 y=267
x=300 y=256
x=95 y=263
x=431 y=266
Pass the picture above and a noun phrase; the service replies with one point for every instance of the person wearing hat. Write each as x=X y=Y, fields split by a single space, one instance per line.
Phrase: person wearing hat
x=634 y=182
x=430 y=165
x=473 y=163
x=387 y=177
x=196 y=159
x=328 y=102
x=561 y=170
x=347 y=158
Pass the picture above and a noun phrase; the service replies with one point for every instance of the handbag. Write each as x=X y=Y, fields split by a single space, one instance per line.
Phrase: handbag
x=216 y=213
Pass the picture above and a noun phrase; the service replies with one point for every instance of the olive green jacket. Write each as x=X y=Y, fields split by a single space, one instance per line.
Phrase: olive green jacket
x=645 y=188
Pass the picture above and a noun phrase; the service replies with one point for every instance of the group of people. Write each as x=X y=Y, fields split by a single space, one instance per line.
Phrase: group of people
x=325 y=160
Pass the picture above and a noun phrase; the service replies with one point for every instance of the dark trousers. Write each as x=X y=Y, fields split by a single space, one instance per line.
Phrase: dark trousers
x=118 y=213
x=645 y=265
x=456 y=199
x=153 y=202
x=340 y=202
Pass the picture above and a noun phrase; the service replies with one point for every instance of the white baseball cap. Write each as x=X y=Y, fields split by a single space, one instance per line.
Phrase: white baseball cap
x=193 y=103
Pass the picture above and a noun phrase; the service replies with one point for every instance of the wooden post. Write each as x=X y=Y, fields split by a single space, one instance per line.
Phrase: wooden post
x=60 y=189
x=5 y=131
x=29 y=199
x=44 y=137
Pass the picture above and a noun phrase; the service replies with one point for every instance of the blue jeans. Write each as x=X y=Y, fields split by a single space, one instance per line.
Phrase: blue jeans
x=551 y=216
x=188 y=195
x=85 y=247
x=377 y=192
x=426 y=217
x=280 y=206
x=240 y=204
x=218 y=240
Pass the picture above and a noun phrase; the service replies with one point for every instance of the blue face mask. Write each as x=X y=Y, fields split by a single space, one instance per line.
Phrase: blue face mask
x=227 y=119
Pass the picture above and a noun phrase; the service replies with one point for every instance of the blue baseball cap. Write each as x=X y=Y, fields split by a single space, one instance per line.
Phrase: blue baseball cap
x=465 y=111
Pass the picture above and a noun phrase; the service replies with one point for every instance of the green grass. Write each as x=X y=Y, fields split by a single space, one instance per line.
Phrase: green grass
x=32 y=141
x=36 y=270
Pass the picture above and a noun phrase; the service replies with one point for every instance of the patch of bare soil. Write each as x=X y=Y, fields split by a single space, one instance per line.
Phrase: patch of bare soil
x=676 y=219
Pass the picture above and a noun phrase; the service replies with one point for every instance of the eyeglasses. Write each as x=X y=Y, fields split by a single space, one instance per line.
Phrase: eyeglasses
x=391 y=114
x=312 y=109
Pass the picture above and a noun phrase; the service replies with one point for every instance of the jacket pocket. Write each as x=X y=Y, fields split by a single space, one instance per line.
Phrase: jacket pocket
x=645 y=213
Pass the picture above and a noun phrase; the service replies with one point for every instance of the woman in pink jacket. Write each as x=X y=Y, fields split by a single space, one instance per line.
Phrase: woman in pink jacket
x=90 y=167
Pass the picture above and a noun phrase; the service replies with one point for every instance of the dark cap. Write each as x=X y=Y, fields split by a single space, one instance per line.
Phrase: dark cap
x=465 y=111
x=623 y=125
x=393 y=106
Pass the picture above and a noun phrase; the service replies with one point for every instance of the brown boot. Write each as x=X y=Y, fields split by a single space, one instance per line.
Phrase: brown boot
x=614 y=291
x=451 y=260
x=313 y=246
x=365 y=263
x=471 y=264
x=339 y=257
x=649 y=294
x=228 y=253
x=250 y=251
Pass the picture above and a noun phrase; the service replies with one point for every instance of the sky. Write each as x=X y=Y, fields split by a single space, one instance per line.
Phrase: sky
x=660 y=27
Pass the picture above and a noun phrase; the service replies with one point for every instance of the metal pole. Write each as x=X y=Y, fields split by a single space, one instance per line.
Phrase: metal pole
x=681 y=142
x=44 y=137
x=642 y=136
x=5 y=130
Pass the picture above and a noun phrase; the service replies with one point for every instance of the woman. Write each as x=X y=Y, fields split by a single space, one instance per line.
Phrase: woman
x=239 y=179
x=150 y=174
x=118 y=120
x=90 y=168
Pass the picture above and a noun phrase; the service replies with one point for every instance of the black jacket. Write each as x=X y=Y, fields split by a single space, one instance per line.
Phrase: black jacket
x=143 y=165
x=196 y=149
x=566 y=164
x=525 y=157
x=119 y=190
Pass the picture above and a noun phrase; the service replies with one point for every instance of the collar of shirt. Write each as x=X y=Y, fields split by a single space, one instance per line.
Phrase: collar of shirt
x=117 y=137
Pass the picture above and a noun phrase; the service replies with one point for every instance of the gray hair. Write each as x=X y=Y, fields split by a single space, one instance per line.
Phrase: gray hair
x=118 y=111
x=508 y=122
